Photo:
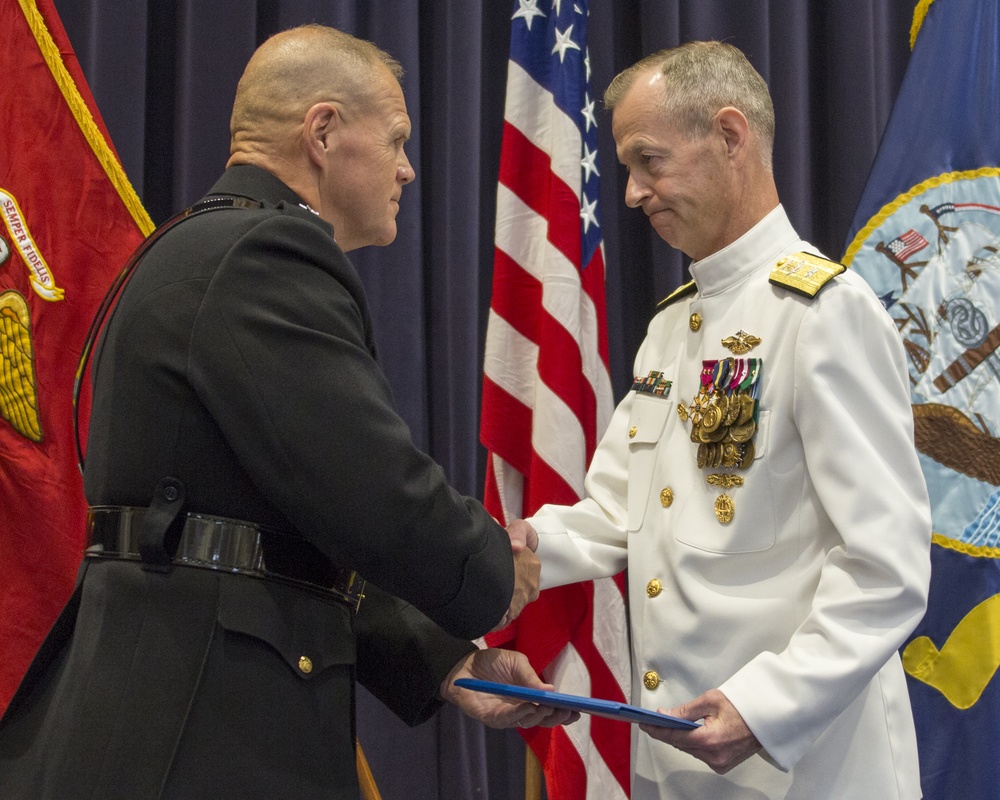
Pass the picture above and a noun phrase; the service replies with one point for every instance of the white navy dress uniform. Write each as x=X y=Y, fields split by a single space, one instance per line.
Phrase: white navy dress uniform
x=788 y=581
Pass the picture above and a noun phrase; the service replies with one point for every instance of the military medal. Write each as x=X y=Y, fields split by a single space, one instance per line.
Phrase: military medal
x=724 y=508
x=723 y=416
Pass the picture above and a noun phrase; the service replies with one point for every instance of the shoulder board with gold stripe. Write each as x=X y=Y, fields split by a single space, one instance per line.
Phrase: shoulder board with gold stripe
x=805 y=273
x=677 y=294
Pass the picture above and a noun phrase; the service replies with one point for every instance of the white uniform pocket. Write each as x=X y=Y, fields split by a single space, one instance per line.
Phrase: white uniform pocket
x=646 y=425
x=753 y=527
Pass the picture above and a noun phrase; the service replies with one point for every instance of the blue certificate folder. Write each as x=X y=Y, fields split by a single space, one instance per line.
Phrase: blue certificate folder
x=587 y=705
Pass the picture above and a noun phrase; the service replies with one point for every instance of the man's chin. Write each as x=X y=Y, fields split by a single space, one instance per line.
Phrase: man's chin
x=388 y=237
x=664 y=230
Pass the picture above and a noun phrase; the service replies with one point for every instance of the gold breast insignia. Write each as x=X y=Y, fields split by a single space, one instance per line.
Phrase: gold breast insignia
x=740 y=343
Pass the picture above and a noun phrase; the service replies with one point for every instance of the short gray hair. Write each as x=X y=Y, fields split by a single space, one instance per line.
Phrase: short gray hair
x=699 y=79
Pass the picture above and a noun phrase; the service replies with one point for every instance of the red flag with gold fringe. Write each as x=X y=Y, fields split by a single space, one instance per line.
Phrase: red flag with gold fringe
x=70 y=220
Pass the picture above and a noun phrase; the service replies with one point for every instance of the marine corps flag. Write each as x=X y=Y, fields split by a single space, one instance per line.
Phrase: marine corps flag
x=70 y=220
x=926 y=236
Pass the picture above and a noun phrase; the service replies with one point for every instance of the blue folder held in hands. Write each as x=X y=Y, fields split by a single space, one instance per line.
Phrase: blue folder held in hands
x=586 y=705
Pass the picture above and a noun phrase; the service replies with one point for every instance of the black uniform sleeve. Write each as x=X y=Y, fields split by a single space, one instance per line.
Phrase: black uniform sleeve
x=279 y=358
x=402 y=656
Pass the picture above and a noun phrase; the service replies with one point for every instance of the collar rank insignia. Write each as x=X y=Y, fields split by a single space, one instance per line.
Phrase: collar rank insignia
x=677 y=294
x=740 y=343
x=805 y=273
x=654 y=383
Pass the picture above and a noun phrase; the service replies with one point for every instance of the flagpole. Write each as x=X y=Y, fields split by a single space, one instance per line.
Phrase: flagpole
x=532 y=775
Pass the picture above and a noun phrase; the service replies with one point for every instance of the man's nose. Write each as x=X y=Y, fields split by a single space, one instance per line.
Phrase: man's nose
x=405 y=172
x=634 y=192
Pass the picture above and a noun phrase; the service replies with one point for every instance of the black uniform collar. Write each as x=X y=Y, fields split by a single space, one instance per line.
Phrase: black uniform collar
x=256 y=183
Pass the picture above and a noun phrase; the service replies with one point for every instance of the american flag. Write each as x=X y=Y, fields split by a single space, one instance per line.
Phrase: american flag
x=546 y=388
x=906 y=245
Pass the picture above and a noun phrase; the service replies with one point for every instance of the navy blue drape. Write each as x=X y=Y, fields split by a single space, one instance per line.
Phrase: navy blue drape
x=164 y=73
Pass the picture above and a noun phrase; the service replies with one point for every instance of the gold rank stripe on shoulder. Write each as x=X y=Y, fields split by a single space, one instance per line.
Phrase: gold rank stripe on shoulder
x=805 y=273
x=677 y=294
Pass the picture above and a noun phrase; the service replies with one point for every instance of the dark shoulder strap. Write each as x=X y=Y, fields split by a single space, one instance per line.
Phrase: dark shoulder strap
x=121 y=279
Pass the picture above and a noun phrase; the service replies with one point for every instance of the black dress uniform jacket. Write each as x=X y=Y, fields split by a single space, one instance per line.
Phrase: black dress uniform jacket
x=240 y=361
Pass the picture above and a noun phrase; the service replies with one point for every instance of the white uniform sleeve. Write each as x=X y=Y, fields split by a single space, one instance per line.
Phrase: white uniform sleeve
x=852 y=408
x=589 y=540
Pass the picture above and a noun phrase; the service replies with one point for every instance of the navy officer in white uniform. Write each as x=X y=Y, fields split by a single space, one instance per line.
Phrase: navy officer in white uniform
x=759 y=481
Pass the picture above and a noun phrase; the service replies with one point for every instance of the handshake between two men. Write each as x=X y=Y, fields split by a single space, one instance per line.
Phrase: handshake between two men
x=722 y=740
x=507 y=666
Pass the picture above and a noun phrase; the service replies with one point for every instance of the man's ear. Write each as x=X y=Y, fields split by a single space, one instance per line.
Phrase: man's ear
x=734 y=128
x=320 y=128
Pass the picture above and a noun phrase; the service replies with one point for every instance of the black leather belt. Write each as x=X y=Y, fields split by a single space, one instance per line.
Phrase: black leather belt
x=227 y=545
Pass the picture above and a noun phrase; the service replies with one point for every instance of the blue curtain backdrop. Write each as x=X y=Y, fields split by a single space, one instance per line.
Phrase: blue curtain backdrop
x=164 y=73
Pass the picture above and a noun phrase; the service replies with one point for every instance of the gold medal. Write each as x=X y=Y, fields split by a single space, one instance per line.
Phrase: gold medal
x=695 y=415
x=730 y=454
x=722 y=401
x=720 y=434
x=746 y=409
x=712 y=418
x=682 y=412
x=733 y=408
x=747 y=453
x=702 y=455
x=724 y=508
x=743 y=433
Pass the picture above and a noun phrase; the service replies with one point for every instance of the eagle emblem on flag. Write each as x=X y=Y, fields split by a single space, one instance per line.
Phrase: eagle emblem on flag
x=18 y=393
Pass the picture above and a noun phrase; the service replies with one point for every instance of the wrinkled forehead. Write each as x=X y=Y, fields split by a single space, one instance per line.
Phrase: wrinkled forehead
x=640 y=115
x=644 y=95
x=382 y=98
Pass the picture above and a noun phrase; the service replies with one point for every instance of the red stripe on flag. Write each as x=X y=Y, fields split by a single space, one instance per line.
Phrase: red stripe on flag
x=506 y=431
x=527 y=172
x=544 y=485
x=592 y=279
x=605 y=733
x=564 y=766
x=518 y=300
x=517 y=296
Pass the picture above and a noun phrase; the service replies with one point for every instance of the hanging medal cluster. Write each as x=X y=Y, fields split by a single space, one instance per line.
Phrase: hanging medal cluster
x=723 y=417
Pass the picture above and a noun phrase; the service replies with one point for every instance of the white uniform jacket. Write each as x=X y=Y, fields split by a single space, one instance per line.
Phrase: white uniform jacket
x=795 y=608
